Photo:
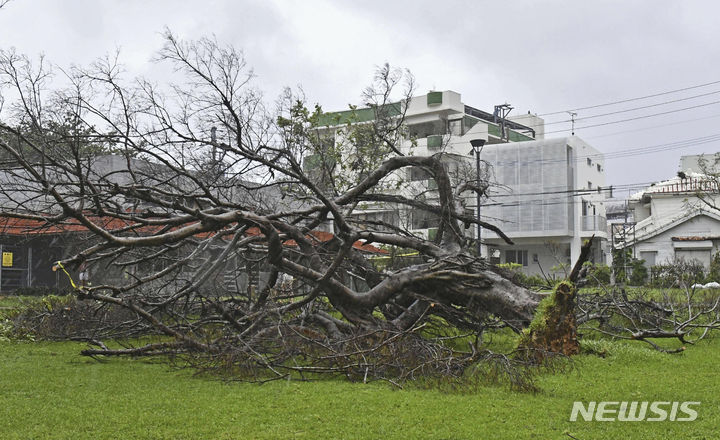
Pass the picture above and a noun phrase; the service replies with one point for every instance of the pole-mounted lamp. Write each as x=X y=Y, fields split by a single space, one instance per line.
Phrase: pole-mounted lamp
x=477 y=145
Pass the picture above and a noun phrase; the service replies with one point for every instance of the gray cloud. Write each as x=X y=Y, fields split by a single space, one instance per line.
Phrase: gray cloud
x=539 y=55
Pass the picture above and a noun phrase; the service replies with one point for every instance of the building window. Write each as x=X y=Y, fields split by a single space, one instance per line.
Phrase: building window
x=381 y=220
x=702 y=256
x=418 y=173
x=455 y=127
x=435 y=141
x=649 y=257
x=425 y=129
x=421 y=219
x=599 y=168
x=589 y=161
x=434 y=98
x=494 y=255
x=589 y=185
x=516 y=256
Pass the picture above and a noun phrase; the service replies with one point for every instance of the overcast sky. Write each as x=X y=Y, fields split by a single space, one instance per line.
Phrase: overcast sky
x=541 y=56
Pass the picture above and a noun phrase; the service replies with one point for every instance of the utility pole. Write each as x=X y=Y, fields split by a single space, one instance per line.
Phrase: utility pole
x=624 y=253
x=572 y=120
x=477 y=145
x=501 y=112
x=612 y=257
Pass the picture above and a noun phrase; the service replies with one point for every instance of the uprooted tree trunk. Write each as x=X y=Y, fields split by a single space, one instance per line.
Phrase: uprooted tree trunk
x=554 y=327
x=206 y=215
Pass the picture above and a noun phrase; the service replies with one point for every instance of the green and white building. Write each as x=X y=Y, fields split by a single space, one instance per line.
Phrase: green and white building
x=546 y=194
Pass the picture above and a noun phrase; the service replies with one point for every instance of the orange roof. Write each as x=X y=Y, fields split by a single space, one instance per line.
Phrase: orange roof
x=22 y=226
x=323 y=236
x=25 y=227
x=695 y=238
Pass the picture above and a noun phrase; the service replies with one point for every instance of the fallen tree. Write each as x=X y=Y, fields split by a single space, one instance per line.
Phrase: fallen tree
x=205 y=221
x=668 y=319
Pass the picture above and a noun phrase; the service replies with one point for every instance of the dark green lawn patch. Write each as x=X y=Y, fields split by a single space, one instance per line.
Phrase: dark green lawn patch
x=13 y=304
x=48 y=391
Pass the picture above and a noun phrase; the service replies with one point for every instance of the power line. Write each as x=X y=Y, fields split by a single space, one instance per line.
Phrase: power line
x=686 y=121
x=579 y=192
x=559 y=199
x=632 y=109
x=631 y=99
x=551 y=201
x=638 y=117
x=627 y=152
x=575 y=120
x=664 y=147
x=555 y=201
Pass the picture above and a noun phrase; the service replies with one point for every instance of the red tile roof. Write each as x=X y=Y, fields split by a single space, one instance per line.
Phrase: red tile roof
x=22 y=226
x=26 y=227
x=695 y=238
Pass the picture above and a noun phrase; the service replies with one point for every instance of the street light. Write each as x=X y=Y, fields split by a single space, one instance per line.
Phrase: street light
x=477 y=145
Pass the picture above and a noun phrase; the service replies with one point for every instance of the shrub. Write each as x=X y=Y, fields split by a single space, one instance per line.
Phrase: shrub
x=561 y=269
x=39 y=291
x=639 y=274
x=679 y=273
x=598 y=274
x=513 y=270
x=515 y=267
x=536 y=281
x=65 y=317
x=621 y=259
x=714 y=270
x=629 y=269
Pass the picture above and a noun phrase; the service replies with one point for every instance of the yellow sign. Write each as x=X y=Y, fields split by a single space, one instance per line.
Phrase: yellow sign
x=7 y=259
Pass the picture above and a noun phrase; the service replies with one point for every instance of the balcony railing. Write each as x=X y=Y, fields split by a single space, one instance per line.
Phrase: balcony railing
x=593 y=223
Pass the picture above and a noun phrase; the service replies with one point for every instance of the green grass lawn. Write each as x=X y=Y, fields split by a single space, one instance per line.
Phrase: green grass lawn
x=10 y=304
x=48 y=391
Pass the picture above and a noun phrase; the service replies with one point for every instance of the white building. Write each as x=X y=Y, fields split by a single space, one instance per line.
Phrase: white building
x=549 y=199
x=549 y=193
x=672 y=222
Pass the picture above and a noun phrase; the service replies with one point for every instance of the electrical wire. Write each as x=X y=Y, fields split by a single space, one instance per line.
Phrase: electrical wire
x=686 y=121
x=631 y=99
x=578 y=192
x=584 y=118
x=635 y=118
x=623 y=153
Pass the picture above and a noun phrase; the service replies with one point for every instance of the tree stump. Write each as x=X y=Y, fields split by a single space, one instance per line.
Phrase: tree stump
x=554 y=328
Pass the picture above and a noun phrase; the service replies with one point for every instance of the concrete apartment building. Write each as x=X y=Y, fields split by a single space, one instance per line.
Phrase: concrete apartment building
x=547 y=194
x=550 y=198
